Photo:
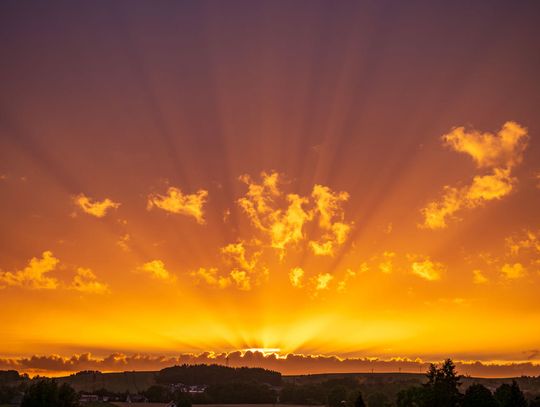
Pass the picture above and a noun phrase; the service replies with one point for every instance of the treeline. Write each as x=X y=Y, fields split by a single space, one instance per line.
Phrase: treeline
x=216 y=375
x=442 y=390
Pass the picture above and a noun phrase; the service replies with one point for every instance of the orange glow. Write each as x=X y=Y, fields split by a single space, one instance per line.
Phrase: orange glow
x=271 y=181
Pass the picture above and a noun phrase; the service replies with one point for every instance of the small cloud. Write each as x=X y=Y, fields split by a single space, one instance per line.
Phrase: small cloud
x=33 y=276
x=156 y=269
x=488 y=150
x=86 y=281
x=322 y=281
x=210 y=276
x=386 y=265
x=427 y=269
x=499 y=153
x=513 y=271
x=479 y=277
x=177 y=202
x=123 y=242
x=349 y=274
x=296 y=276
x=95 y=208
x=242 y=279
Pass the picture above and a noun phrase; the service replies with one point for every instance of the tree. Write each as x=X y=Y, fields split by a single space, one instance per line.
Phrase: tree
x=359 y=402
x=478 y=396
x=510 y=395
x=377 y=400
x=158 y=394
x=442 y=388
x=535 y=402
x=47 y=393
x=412 y=397
x=337 y=396
x=182 y=399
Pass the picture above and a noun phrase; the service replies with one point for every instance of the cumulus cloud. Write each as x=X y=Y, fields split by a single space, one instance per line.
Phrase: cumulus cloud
x=513 y=271
x=175 y=201
x=94 y=207
x=427 y=269
x=35 y=275
x=211 y=277
x=498 y=153
x=504 y=149
x=156 y=269
x=123 y=242
x=289 y=364
x=342 y=284
x=241 y=265
x=296 y=275
x=322 y=281
x=329 y=209
x=86 y=281
x=282 y=217
x=386 y=265
x=479 y=277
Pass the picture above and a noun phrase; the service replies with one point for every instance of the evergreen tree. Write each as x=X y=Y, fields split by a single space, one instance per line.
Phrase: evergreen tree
x=510 y=395
x=478 y=396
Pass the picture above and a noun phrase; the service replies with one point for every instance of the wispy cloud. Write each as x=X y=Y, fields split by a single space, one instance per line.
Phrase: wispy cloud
x=94 y=207
x=86 y=281
x=156 y=269
x=499 y=153
x=35 y=275
x=175 y=201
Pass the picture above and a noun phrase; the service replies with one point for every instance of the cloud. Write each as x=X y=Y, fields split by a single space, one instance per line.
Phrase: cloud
x=177 y=202
x=386 y=265
x=210 y=276
x=349 y=274
x=322 y=281
x=427 y=269
x=479 y=277
x=330 y=213
x=498 y=153
x=513 y=271
x=241 y=262
x=296 y=276
x=95 y=208
x=288 y=364
x=526 y=243
x=123 y=242
x=282 y=217
x=156 y=269
x=86 y=281
x=504 y=149
x=33 y=276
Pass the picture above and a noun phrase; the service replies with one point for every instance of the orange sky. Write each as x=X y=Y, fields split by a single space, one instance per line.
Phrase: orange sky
x=358 y=181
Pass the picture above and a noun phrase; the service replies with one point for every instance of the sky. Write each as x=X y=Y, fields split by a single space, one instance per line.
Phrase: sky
x=353 y=184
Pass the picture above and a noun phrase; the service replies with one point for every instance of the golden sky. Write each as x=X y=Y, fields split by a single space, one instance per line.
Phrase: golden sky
x=350 y=182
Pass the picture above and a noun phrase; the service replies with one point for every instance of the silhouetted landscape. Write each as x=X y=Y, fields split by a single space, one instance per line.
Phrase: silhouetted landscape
x=441 y=386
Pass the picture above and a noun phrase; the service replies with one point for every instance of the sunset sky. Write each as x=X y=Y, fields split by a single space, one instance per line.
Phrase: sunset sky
x=348 y=182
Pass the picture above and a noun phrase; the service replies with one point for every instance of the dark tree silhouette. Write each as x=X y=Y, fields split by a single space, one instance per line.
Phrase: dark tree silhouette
x=359 y=402
x=411 y=397
x=377 y=400
x=442 y=388
x=478 y=396
x=182 y=399
x=47 y=393
x=535 y=402
x=510 y=395
x=336 y=396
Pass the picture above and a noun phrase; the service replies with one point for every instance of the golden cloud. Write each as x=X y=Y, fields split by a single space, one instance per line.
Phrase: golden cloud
x=33 y=276
x=289 y=364
x=282 y=216
x=296 y=276
x=499 y=152
x=322 y=281
x=177 y=202
x=513 y=271
x=504 y=149
x=427 y=269
x=479 y=277
x=210 y=276
x=95 y=208
x=156 y=269
x=386 y=265
x=86 y=281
